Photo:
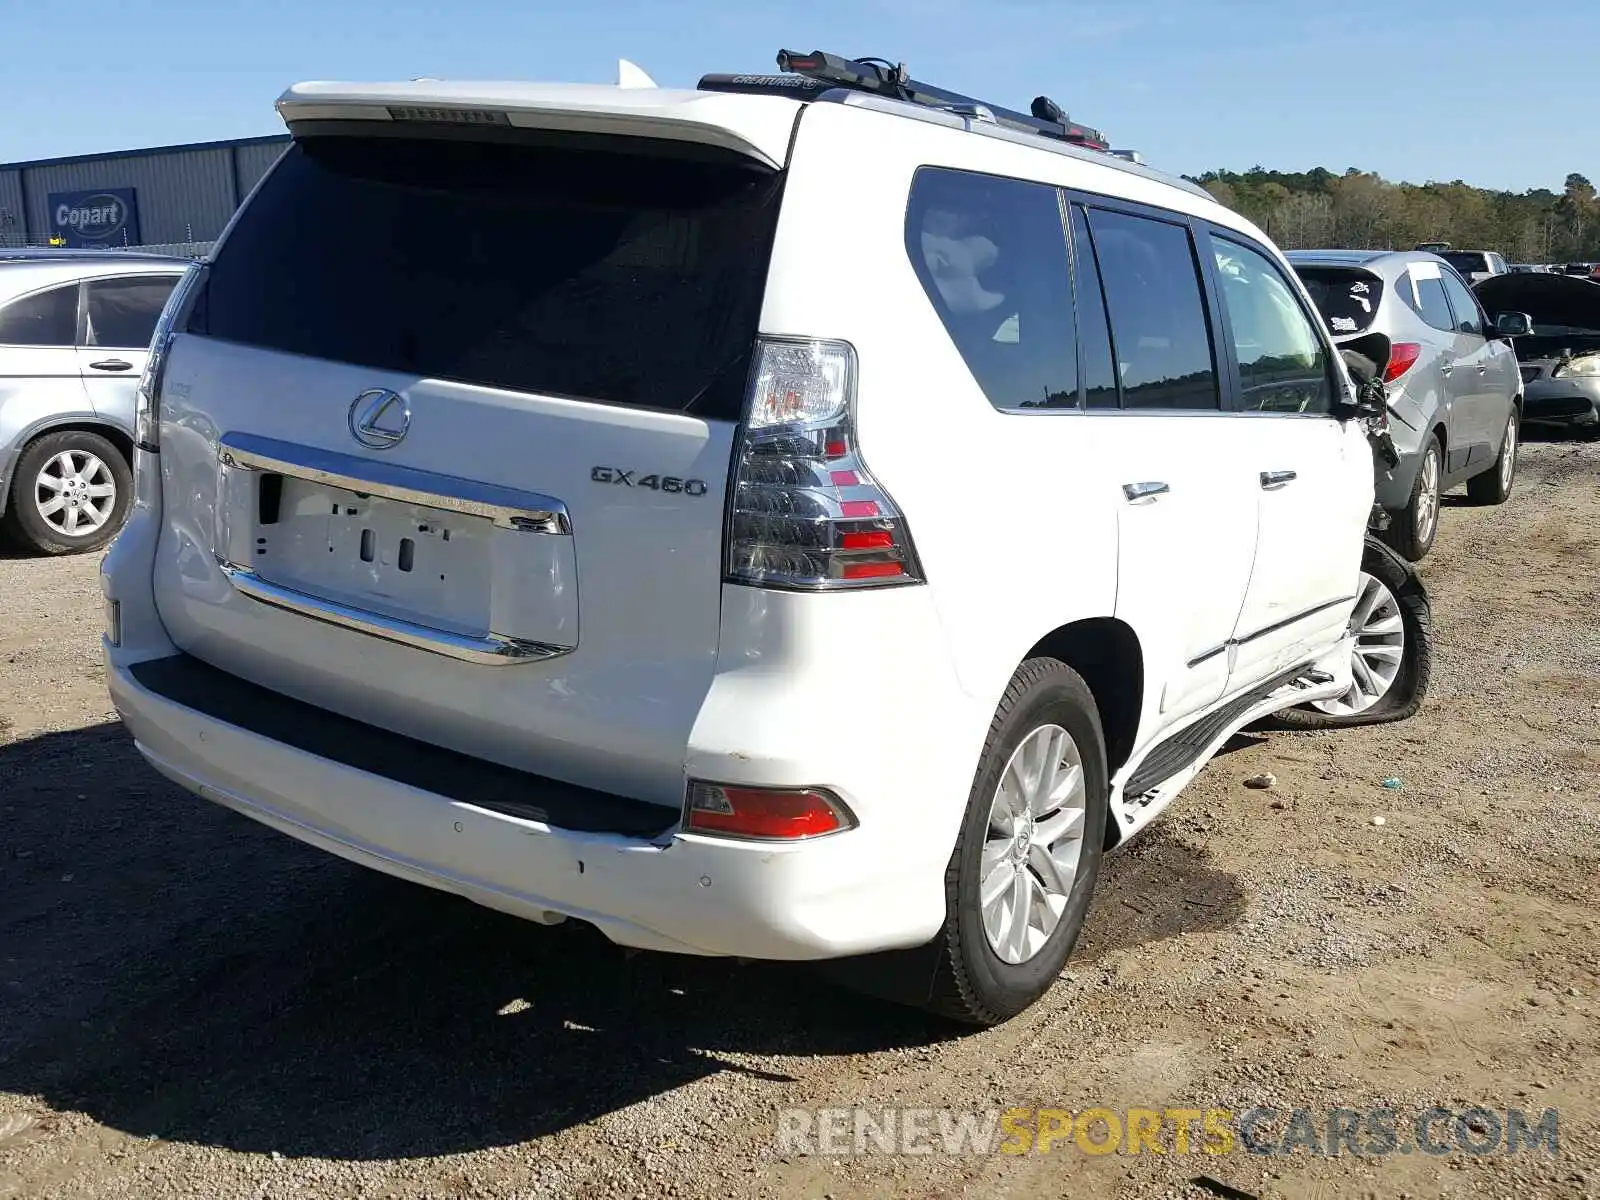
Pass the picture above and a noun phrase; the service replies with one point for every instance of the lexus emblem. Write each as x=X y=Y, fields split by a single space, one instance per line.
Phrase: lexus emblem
x=379 y=418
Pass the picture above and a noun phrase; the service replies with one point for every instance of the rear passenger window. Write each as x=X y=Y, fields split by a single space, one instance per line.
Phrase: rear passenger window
x=992 y=256
x=1282 y=364
x=1425 y=284
x=1158 y=318
x=45 y=319
x=123 y=312
x=1098 y=369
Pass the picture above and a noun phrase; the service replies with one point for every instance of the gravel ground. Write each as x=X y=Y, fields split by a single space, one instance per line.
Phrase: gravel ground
x=191 y=1005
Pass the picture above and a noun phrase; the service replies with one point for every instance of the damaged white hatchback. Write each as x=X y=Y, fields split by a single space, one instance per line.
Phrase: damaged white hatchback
x=803 y=517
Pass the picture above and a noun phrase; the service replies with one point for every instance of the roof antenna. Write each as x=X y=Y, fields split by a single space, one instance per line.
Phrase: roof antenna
x=630 y=75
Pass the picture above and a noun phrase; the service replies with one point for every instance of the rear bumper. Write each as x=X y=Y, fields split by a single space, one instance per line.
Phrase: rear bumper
x=851 y=893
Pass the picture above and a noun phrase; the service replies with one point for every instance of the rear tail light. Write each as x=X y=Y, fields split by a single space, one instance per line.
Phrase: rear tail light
x=1402 y=357
x=806 y=512
x=764 y=814
x=147 y=399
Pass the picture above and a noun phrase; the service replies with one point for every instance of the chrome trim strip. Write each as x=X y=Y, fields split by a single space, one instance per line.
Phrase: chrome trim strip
x=509 y=508
x=1287 y=621
x=495 y=650
x=1234 y=643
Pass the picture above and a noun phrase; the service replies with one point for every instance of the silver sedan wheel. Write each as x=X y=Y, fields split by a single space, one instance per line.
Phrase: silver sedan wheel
x=1035 y=837
x=1380 y=649
x=75 y=493
x=1508 y=456
x=1428 y=497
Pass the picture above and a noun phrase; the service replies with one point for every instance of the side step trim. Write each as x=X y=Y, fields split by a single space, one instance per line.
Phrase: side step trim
x=1182 y=749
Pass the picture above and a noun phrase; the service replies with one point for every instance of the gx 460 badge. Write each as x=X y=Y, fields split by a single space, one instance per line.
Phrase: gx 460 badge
x=656 y=483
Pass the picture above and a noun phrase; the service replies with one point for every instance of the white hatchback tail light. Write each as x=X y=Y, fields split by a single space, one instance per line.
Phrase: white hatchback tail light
x=806 y=512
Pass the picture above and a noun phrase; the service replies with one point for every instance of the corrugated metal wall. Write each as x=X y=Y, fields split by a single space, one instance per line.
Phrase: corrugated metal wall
x=185 y=195
x=11 y=223
x=253 y=162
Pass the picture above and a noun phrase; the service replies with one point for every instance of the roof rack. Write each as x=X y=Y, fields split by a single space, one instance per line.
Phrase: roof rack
x=811 y=75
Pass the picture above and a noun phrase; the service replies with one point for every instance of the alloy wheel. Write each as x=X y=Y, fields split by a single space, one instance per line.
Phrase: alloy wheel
x=1508 y=456
x=75 y=493
x=1379 y=651
x=1428 y=497
x=1034 y=840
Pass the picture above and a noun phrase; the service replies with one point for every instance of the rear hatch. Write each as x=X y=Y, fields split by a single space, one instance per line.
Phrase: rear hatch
x=445 y=442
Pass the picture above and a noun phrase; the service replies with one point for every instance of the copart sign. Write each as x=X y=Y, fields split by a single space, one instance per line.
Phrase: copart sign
x=106 y=217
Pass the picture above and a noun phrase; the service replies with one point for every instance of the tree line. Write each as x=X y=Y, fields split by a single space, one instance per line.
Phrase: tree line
x=1361 y=211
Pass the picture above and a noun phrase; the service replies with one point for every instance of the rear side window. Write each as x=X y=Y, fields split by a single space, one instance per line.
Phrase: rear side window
x=618 y=274
x=992 y=257
x=1348 y=300
x=43 y=319
x=123 y=312
x=1159 y=328
x=1099 y=369
x=1282 y=365
x=1425 y=284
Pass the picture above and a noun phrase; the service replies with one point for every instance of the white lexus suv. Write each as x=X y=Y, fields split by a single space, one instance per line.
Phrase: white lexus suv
x=801 y=517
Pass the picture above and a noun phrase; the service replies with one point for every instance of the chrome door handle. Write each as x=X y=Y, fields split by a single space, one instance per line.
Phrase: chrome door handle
x=1482 y=370
x=111 y=364
x=1446 y=369
x=1142 y=491
x=1272 y=479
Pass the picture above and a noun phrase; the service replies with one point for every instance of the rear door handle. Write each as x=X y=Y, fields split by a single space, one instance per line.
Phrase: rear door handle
x=1482 y=369
x=1272 y=479
x=1143 y=491
x=1446 y=369
x=111 y=364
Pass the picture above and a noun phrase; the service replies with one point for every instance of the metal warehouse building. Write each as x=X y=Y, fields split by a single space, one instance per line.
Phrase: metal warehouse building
x=171 y=198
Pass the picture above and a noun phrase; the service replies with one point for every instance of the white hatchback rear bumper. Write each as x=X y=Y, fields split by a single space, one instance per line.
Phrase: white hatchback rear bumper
x=847 y=894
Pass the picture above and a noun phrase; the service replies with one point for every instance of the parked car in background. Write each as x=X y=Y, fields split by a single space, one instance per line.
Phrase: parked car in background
x=1581 y=269
x=1528 y=269
x=1473 y=265
x=1560 y=360
x=1454 y=388
x=75 y=329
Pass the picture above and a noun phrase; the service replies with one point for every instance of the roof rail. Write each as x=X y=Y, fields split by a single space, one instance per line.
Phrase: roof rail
x=809 y=75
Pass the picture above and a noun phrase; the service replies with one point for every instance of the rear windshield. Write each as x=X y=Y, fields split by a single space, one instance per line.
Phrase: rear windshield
x=1348 y=300
x=629 y=278
x=1466 y=262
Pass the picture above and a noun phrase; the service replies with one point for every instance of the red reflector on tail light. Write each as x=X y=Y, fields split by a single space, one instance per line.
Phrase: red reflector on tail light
x=844 y=478
x=836 y=449
x=767 y=814
x=879 y=539
x=872 y=570
x=1402 y=356
x=858 y=508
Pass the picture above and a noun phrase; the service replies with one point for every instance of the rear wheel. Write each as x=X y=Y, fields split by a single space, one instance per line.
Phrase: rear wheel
x=1413 y=529
x=1393 y=655
x=71 y=493
x=1025 y=864
x=1494 y=485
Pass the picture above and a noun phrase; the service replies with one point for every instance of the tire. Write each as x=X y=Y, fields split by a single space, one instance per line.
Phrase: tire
x=1409 y=535
x=1494 y=485
x=84 y=462
x=973 y=983
x=1405 y=692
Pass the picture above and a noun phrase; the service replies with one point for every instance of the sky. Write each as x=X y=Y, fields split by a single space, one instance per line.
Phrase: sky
x=1498 y=95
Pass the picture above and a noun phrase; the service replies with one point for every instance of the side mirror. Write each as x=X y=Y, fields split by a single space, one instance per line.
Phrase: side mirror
x=1512 y=324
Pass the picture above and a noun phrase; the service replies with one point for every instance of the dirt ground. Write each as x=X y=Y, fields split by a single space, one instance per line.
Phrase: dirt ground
x=193 y=1005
